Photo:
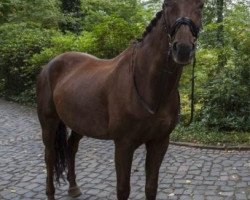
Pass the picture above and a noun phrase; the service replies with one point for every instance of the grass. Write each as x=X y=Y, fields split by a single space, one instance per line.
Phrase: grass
x=198 y=134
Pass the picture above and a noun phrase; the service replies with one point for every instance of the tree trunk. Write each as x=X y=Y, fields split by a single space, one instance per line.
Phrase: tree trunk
x=220 y=34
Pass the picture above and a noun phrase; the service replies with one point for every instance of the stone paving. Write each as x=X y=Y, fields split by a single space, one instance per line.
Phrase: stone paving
x=186 y=173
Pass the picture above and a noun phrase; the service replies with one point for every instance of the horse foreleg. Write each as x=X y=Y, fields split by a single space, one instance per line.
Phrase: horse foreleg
x=123 y=161
x=73 y=143
x=155 y=154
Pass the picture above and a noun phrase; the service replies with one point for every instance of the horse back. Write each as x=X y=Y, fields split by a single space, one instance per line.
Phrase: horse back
x=74 y=65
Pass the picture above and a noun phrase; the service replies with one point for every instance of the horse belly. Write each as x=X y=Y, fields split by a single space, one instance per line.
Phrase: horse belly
x=88 y=125
x=141 y=130
x=90 y=119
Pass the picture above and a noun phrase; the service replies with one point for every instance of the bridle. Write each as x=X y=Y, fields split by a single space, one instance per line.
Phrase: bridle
x=171 y=32
x=178 y=23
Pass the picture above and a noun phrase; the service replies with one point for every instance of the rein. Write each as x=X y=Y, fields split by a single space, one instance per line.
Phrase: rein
x=192 y=94
x=171 y=33
x=146 y=106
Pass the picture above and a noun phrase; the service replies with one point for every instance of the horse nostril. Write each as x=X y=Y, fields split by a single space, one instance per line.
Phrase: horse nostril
x=183 y=52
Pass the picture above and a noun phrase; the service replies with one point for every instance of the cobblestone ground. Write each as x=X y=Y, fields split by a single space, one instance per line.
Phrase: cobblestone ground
x=186 y=173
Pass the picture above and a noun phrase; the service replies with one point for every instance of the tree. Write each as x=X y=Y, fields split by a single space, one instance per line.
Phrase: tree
x=73 y=16
x=220 y=33
x=40 y=12
x=96 y=11
x=225 y=97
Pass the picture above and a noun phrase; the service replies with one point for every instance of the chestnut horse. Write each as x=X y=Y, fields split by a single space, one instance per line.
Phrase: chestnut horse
x=132 y=99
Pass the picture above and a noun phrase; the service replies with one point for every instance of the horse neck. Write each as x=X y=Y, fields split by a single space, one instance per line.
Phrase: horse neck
x=151 y=60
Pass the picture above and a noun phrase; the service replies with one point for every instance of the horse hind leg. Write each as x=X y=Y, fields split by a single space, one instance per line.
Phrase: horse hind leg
x=54 y=136
x=73 y=143
x=48 y=135
x=49 y=124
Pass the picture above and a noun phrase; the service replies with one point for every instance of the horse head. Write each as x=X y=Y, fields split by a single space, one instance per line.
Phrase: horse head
x=182 y=20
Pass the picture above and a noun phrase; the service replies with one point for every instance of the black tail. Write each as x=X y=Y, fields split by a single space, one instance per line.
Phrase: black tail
x=61 y=149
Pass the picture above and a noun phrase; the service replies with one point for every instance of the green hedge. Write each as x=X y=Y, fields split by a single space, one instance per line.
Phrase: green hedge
x=19 y=42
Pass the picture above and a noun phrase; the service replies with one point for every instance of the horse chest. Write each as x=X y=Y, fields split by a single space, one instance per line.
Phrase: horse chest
x=157 y=128
x=144 y=129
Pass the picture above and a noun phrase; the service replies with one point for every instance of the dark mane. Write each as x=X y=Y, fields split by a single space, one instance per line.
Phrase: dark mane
x=151 y=25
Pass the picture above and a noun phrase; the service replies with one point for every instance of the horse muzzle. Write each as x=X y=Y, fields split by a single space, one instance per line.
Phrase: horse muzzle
x=183 y=53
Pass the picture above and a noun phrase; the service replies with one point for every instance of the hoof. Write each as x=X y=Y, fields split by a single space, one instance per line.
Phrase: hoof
x=74 y=192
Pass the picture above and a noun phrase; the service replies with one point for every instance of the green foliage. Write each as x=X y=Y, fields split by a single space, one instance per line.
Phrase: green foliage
x=19 y=42
x=43 y=12
x=60 y=43
x=71 y=6
x=97 y=11
x=225 y=96
x=197 y=133
x=72 y=16
x=226 y=107
x=113 y=35
x=22 y=34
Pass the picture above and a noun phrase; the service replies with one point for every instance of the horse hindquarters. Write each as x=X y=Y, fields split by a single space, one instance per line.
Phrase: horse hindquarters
x=54 y=134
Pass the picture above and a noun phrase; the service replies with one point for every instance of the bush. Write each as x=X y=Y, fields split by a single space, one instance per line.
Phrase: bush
x=225 y=96
x=226 y=101
x=60 y=43
x=18 y=44
x=113 y=35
